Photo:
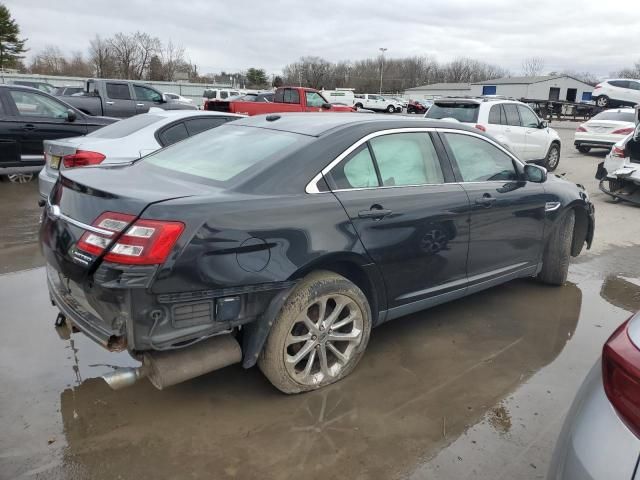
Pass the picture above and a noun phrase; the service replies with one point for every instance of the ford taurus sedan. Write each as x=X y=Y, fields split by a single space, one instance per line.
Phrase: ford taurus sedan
x=283 y=239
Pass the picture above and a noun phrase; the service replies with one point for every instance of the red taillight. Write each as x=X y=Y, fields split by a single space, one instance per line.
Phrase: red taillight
x=581 y=129
x=82 y=158
x=206 y=105
x=481 y=127
x=618 y=152
x=597 y=86
x=145 y=242
x=621 y=376
x=623 y=131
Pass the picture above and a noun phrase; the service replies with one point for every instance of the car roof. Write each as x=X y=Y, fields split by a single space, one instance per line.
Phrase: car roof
x=177 y=114
x=477 y=100
x=318 y=124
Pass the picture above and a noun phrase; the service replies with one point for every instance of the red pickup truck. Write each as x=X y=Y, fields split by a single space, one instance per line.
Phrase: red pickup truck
x=286 y=99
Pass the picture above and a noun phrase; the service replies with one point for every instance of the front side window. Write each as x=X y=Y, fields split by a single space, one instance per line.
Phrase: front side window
x=314 y=99
x=511 y=112
x=31 y=104
x=118 y=91
x=406 y=159
x=146 y=94
x=529 y=119
x=480 y=161
x=356 y=171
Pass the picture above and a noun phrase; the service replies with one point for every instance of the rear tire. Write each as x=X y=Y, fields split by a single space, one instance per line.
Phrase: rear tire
x=584 y=149
x=552 y=160
x=319 y=335
x=557 y=252
x=20 y=177
x=358 y=105
x=391 y=109
x=602 y=101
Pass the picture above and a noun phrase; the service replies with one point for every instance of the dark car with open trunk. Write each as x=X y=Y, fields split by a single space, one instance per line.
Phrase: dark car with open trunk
x=283 y=239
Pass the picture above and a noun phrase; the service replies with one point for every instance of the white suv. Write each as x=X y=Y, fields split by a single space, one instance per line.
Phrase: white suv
x=376 y=102
x=512 y=123
x=617 y=92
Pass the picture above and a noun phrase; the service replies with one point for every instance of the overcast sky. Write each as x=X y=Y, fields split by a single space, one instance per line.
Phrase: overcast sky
x=580 y=35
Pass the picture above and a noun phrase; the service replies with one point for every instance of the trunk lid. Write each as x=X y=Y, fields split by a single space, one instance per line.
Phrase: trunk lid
x=605 y=126
x=82 y=195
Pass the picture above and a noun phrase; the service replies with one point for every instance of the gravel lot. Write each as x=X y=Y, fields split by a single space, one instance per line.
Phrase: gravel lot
x=472 y=389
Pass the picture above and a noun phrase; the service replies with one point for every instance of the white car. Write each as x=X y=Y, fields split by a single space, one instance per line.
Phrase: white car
x=619 y=174
x=174 y=97
x=605 y=129
x=514 y=124
x=615 y=92
x=125 y=141
x=377 y=103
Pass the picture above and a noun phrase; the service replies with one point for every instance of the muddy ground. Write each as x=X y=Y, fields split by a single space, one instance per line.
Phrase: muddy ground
x=473 y=389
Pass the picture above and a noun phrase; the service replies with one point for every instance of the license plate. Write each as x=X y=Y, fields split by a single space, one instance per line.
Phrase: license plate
x=55 y=162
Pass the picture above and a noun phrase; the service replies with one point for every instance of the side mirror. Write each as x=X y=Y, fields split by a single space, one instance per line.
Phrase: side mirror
x=326 y=106
x=543 y=124
x=535 y=173
x=163 y=98
x=71 y=115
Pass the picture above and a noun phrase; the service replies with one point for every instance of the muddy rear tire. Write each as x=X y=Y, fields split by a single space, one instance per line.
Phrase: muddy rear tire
x=557 y=252
x=319 y=335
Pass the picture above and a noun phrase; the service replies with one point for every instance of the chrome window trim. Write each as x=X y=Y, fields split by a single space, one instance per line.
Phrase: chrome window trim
x=312 y=186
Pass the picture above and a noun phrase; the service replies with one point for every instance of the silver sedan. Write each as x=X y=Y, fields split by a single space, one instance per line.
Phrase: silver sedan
x=600 y=439
x=125 y=141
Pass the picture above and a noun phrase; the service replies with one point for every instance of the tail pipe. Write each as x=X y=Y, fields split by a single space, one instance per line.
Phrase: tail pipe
x=167 y=368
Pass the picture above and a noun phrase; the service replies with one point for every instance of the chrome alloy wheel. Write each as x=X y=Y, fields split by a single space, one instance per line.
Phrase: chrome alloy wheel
x=323 y=339
x=20 y=177
x=554 y=158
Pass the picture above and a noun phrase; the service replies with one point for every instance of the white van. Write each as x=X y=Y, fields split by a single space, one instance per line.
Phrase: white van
x=339 y=95
x=219 y=93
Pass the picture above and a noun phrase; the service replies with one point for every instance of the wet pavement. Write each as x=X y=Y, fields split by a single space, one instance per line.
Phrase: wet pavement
x=476 y=388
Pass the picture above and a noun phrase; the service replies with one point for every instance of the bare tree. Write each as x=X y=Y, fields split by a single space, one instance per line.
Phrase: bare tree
x=532 y=66
x=633 y=72
x=172 y=58
x=147 y=47
x=102 y=58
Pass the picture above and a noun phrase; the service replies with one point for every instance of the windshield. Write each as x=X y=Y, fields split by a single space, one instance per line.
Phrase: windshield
x=122 y=128
x=617 y=115
x=463 y=112
x=226 y=152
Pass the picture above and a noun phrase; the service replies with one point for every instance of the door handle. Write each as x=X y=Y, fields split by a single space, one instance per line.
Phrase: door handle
x=486 y=200
x=28 y=127
x=109 y=103
x=139 y=104
x=375 y=212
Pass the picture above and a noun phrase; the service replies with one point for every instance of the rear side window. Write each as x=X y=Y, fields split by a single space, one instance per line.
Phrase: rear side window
x=173 y=134
x=463 y=112
x=619 y=83
x=226 y=152
x=478 y=160
x=291 y=96
x=125 y=127
x=118 y=91
x=496 y=115
x=616 y=115
x=511 y=112
x=356 y=171
x=406 y=159
x=197 y=125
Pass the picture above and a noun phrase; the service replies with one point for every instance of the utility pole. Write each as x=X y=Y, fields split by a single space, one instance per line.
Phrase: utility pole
x=382 y=49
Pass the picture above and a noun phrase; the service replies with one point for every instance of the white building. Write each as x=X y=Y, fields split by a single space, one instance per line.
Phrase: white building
x=435 y=90
x=548 y=87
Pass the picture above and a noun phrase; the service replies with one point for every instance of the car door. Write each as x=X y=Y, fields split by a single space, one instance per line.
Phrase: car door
x=10 y=132
x=507 y=213
x=536 y=138
x=41 y=117
x=146 y=98
x=314 y=101
x=119 y=102
x=634 y=92
x=513 y=131
x=411 y=222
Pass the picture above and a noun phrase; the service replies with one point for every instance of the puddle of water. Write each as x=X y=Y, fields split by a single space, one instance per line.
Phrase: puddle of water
x=493 y=368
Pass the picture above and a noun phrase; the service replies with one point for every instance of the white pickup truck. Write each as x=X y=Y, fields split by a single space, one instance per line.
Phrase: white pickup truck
x=377 y=103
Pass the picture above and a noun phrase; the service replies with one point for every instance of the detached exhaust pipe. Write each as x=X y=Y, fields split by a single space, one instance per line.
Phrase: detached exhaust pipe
x=168 y=368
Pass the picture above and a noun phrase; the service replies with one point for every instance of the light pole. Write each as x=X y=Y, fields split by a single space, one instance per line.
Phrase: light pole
x=382 y=49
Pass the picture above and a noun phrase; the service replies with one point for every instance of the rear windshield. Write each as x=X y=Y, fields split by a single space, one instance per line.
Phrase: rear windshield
x=615 y=115
x=226 y=152
x=463 y=112
x=122 y=128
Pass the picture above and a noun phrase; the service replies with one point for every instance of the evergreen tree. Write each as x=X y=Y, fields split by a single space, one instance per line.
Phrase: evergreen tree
x=11 y=46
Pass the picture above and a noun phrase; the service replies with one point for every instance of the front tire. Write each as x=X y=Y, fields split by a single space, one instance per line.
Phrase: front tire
x=319 y=335
x=557 y=252
x=552 y=159
x=391 y=109
x=584 y=149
